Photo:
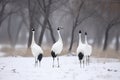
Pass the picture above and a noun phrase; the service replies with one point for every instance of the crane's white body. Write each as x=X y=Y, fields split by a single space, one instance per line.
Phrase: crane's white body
x=81 y=46
x=81 y=50
x=88 y=47
x=88 y=50
x=58 y=46
x=36 y=49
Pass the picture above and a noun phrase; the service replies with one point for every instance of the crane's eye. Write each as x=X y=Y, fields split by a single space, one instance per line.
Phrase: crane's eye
x=58 y=28
x=80 y=31
x=33 y=29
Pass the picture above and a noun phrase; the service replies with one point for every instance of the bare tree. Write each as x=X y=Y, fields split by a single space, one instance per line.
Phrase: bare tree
x=75 y=24
x=117 y=41
x=47 y=7
x=78 y=19
x=3 y=13
x=12 y=10
x=31 y=9
x=115 y=21
x=3 y=4
x=42 y=9
x=51 y=31
x=47 y=12
x=9 y=26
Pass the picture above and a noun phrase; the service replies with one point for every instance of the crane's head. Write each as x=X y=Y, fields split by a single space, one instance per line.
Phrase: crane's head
x=85 y=33
x=33 y=29
x=59 y=28
x=80 y=31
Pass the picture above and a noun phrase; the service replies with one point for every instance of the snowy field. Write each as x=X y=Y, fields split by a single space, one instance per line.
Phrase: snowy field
x=22 y=68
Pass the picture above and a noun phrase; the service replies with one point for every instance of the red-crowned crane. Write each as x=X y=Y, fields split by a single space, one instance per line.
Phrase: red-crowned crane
x=57 y=47
x=80 y=50
x=88 y=49
x=36 y=50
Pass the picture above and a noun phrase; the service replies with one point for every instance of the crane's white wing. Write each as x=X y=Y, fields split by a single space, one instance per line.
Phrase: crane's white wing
x=57 y=47
x=81 y=48
x=89 y=50
x=36 y=50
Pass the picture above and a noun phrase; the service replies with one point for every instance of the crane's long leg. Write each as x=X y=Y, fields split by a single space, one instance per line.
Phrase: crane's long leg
x=58 y=61
x=83 y=63
x=39 y=63
x=80 y=63
x=36 y=61
x=88 y=60
x=53 y=62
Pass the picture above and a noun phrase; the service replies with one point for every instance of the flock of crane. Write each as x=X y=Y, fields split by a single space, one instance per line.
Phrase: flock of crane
x=84 y=50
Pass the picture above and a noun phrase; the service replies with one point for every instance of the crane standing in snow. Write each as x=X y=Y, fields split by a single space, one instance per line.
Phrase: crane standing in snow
x=36 y=50
x=57 y=47
x=80 y=50
x=88 y=50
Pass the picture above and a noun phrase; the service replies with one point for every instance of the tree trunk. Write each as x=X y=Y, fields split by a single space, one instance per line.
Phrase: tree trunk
x=75 y=24
x=117 y=42
x=42 y=31
x=72 y=39
x=105 y=42
x=31 y=25
x=106 y=36
x=18 y=31
x=8 y=29
x=51 y=31
x=30 y=36
x=46 y=17
x=2 y=12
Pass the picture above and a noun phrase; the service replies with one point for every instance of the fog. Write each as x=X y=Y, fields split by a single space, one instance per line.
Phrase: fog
x=99 y=18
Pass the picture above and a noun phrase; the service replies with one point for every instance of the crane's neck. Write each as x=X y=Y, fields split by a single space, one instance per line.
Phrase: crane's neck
x=80 y=42
x=86 y=39
x=60 y=38
x=33 y=39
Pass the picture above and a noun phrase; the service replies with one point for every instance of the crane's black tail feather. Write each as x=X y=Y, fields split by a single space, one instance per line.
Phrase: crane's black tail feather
x=80 y=56
x=40 y=57
x=53 y=54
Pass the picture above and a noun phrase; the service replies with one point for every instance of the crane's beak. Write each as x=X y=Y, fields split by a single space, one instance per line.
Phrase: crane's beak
x=85 y=33
x=80 y=31
x=60 y=27
x=33 y=29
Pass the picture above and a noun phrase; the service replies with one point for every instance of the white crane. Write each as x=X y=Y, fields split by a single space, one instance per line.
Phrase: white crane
x=80 y=50
x=36 y=50
x=88 y=50
x=57 y=47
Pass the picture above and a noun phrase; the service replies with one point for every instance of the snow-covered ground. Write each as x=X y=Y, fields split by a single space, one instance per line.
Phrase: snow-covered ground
x=22 y=68
x=2 y=54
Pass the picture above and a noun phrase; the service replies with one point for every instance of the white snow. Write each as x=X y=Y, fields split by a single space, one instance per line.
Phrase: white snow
x=20 y=46
x=22 y=68
x=2 y=54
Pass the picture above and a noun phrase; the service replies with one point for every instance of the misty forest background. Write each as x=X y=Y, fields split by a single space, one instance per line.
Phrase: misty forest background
x=99 y=18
